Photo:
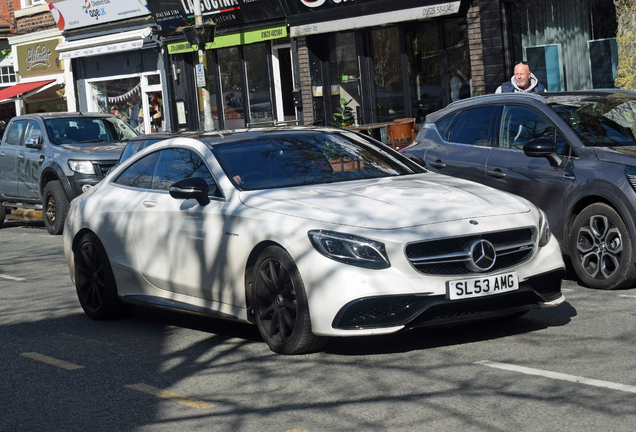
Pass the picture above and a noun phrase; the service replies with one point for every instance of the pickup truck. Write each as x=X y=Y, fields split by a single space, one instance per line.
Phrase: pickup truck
x=48 y=159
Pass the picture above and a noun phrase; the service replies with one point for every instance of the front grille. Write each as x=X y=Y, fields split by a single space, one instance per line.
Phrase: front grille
x=102 y=167
x=449 y=256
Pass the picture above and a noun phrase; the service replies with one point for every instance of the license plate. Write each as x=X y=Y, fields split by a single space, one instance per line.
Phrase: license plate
x=479 y=287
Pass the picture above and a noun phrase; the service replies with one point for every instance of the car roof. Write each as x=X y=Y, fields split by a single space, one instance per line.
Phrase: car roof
x=67 y=115
x=529 y=98
x=233 y=135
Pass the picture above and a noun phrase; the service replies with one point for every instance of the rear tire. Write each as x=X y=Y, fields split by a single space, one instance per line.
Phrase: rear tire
x=601 y=249
x=54 y=207
x=95 y=283
x=280 y=305
x=3 y=214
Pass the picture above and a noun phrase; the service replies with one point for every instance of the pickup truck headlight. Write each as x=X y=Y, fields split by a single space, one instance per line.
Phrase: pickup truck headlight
x=82 y=167
x=350 y=249
x=544 y=229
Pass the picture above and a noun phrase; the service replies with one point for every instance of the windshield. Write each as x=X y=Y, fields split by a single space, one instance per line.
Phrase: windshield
x=73 y=130
x=607 y=121
x=297 y=158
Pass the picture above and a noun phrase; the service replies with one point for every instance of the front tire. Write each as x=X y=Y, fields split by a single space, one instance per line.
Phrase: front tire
x=54 y=207
x=3 y=214
x=601 y=249
x=280 y=305
x=95 y=282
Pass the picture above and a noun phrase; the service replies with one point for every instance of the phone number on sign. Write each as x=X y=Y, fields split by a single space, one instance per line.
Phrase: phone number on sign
x=439 y=10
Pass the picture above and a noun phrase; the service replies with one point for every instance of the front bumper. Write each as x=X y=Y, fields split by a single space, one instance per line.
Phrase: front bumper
x=413 y=311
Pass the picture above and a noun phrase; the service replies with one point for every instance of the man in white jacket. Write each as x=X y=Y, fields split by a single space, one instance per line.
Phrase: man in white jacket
x=523 y=81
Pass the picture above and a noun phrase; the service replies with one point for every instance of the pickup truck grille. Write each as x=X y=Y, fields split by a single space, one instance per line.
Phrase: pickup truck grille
x=102 y=167
x=449 y=256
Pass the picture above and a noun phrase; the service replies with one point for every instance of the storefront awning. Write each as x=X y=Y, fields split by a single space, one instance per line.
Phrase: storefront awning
x=124 y=41
x=417 y=13
x=18 y=89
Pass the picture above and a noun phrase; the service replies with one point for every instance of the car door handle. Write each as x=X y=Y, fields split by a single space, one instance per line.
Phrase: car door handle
x=569 y=175
x=496 y=173
x=1 y=154
x=437 y=164
x=150 y=204
x=42 y=157
x=21 y=156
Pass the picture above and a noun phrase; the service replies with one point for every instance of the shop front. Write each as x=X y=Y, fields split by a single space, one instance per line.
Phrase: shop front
x=385 y=61
x=248 y=78
x=41 y=75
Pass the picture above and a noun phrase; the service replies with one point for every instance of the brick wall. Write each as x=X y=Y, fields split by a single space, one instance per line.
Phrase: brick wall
x=32 y=23
x=307 y=113
x=476 y=50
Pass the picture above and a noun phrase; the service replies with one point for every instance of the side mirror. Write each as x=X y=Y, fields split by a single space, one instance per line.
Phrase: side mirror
x=542 y=147
x=33 y=142
x=191 y=188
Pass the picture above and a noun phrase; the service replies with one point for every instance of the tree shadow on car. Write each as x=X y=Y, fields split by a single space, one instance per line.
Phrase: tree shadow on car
x=422 y=339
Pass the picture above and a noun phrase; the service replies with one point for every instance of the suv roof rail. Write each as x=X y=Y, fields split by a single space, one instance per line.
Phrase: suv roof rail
x=535 y=96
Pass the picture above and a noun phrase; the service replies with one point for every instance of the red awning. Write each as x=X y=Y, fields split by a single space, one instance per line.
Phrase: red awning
x=17 y=89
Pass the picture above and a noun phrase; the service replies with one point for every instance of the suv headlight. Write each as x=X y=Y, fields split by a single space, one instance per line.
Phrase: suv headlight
x=82 y=167
x=350 y=249
x=544 y=229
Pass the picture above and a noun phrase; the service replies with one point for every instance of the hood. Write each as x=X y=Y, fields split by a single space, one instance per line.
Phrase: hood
x=533 y=83
x=93 y=148
x=620 y=155
x=388 y=203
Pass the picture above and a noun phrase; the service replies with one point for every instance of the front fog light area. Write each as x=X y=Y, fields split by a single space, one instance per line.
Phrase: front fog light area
x=350 y=249
x=82 y=167
x=544 y=229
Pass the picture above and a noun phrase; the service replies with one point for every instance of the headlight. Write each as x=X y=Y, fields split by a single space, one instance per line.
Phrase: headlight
x=82 y=167
x=350 y=249
x=544 y=229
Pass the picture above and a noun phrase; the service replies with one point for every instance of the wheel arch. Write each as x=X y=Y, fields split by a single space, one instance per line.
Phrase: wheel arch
x=54 y=172
x=249 y=270
x=596 y=195
x=81 y=234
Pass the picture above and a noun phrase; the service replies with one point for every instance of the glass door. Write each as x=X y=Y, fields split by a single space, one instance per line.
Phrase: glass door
x=283 y=84
x=154 y=120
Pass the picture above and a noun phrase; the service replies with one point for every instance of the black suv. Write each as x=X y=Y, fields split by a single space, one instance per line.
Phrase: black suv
x=573 y=154
x=48 y=159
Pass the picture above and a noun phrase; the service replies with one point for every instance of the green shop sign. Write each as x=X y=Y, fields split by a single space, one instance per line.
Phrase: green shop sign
x=232 y=40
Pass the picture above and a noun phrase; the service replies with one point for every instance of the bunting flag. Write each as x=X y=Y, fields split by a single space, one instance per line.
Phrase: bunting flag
x=125 y=96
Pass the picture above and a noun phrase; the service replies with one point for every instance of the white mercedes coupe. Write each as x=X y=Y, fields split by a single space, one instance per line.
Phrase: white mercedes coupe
x=309 y=233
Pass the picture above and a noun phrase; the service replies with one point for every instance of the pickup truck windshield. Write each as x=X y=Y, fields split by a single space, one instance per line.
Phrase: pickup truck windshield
x=72 y=130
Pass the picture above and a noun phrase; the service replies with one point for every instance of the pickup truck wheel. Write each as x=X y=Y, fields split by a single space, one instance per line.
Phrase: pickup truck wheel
x=3 y=214
x=54 y=207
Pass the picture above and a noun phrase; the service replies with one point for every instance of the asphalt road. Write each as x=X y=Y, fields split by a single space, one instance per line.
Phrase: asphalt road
x=569 y=369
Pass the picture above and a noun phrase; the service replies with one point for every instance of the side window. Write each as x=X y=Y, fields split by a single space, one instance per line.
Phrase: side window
x=563 y=149
x=520 y=125
x=443 y=126
x=139 y=174
x=14 y=135
x=473 y=126
x=33 y=130
x=176 y=164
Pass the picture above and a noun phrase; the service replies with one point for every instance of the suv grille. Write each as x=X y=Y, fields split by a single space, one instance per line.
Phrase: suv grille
x=102 y=167
x=449 y=256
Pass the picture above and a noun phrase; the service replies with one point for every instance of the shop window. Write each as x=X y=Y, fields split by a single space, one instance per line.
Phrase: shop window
x=458 y=57
x=231 y=87
x=28 y=3
x=387 y=73
x=258 y=84
x=345 y=76
x=603 y=62
x=424 y=70
x=7 y=75
x=121 y=97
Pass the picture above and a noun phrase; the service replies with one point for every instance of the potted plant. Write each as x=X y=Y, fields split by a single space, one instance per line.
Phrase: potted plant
x=344 y=115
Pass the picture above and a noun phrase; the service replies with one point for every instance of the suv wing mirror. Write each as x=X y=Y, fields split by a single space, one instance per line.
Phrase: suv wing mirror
x=542 y=147
x=191 y=188
x=33 y=142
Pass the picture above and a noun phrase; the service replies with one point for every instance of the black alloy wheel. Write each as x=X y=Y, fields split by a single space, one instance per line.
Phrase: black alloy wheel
x=601 y=249
x=54 y=207
x=95 y=282
x=280 y=306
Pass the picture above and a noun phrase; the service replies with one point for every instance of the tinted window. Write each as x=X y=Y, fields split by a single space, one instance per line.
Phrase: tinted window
x=298 y=158
x=443 y=126
x=473 y=126
x=522 y=124
x=135 y=146
x=139 y=174
x=177 y=164
x=71 y=130
x=14 y=135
